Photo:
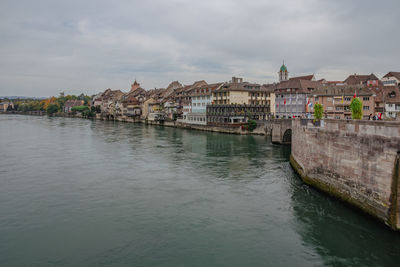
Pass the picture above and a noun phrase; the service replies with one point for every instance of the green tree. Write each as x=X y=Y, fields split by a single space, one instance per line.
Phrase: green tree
x=52 y=108
x=356 y=109
x=252 y=124
x=318 y=111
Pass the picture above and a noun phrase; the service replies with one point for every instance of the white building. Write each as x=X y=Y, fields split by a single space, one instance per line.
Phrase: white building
x=391 y=79
x=200 y=98
x=392 y=104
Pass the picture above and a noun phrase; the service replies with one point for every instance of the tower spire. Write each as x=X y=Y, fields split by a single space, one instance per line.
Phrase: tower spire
x=283 y=72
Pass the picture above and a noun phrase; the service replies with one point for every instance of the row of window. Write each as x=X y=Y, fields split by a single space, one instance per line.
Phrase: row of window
x=390 y=82
x=202 y=90
x=251 y=94
x=259 y=94
x=201 y=97
x=196 y=118
x=199 y=104
x=294 y=96
x=397 y=106
x=330 y=99
x=253 y=102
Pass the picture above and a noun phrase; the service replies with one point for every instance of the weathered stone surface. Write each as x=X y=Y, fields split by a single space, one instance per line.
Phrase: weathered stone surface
x=279 y=127
x=354 y=161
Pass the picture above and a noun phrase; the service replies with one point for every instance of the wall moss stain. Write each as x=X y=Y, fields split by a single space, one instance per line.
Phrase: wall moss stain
x=334 y=192
x=394 y=220
x=355 y=168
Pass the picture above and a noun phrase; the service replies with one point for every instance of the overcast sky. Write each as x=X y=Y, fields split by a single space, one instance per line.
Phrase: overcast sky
x=87 y=46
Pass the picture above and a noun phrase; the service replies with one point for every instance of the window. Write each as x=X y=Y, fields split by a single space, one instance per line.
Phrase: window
x=390 y=105
x=329 y=99
x=338 y=108
x=316 y=99
x=329 y=108
x=365 y=107
x=337 y=117
x=347 y=98
x=366 y=98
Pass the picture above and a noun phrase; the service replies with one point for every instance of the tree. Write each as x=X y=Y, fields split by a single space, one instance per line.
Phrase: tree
x=252 y=124
x=356 y=109
x=318 y=111
x=52 y=108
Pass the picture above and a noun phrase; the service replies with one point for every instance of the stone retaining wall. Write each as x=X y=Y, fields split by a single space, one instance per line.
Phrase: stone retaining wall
x=356 y=161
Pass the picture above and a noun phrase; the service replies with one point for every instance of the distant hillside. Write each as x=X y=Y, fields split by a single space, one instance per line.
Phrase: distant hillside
x=22 y=97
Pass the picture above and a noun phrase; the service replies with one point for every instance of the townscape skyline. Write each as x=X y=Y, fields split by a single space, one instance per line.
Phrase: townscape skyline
x=87 y=47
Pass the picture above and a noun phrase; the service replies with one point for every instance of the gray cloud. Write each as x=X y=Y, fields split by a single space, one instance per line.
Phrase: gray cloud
x=50 y=46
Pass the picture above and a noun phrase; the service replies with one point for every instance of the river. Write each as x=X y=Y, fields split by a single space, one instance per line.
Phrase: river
x=77 y=192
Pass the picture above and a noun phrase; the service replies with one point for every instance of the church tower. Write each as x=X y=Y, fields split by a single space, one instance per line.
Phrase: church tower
x=134 y=86
x=283 y=73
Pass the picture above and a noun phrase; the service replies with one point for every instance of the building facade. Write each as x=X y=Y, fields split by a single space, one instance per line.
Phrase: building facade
x=239 y=92
x=235 y=114
x=291 y=97
x=69 y=104
x=336 y=101
x=200 y=98
x=237 y=101
x=391 y=79
x=392 y=103
x=4 y=106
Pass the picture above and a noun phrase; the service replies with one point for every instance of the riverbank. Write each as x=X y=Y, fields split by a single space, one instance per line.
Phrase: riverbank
x=261 y=129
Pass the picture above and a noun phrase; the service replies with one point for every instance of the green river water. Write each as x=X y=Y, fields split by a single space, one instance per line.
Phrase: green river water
x=76 y=192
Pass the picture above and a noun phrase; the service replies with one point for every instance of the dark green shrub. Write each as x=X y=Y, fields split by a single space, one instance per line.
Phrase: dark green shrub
x=252 y=124
x=79 y=108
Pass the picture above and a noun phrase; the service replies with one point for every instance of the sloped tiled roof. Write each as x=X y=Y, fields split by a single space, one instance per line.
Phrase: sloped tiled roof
x=204 y=90
x=303 y=86
x=174 y=85
x=243 y=86
x=392 y=74
x=360 y=79
x=305 y=78
x=343 y=90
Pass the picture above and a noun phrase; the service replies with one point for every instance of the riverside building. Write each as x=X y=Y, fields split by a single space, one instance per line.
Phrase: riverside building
x=237 y=101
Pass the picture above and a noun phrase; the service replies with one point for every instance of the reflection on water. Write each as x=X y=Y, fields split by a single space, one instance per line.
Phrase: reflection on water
x=91 y=193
